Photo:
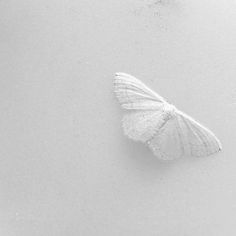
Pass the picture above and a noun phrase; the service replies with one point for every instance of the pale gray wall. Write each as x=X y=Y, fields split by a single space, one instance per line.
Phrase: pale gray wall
x=65 y=166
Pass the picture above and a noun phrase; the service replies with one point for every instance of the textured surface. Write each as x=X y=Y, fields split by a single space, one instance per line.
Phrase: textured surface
x=65 y=166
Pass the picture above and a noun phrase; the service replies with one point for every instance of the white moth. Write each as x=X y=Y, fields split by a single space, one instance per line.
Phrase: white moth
x=168 y=132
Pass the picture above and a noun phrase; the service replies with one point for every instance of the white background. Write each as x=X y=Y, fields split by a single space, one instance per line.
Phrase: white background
x=65 y=166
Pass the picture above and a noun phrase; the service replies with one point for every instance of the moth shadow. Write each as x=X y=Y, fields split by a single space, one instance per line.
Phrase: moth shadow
x=142 y=159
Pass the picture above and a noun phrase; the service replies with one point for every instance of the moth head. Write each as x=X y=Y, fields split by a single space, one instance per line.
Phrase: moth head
x=170 y=110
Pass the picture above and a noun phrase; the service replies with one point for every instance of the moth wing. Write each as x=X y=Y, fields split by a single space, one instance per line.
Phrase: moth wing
x=199 y=141
x=142 y=125
x=133 y=94
x=167 y=143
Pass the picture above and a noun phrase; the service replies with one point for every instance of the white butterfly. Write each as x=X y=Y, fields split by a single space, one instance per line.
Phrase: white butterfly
x=168 y=132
